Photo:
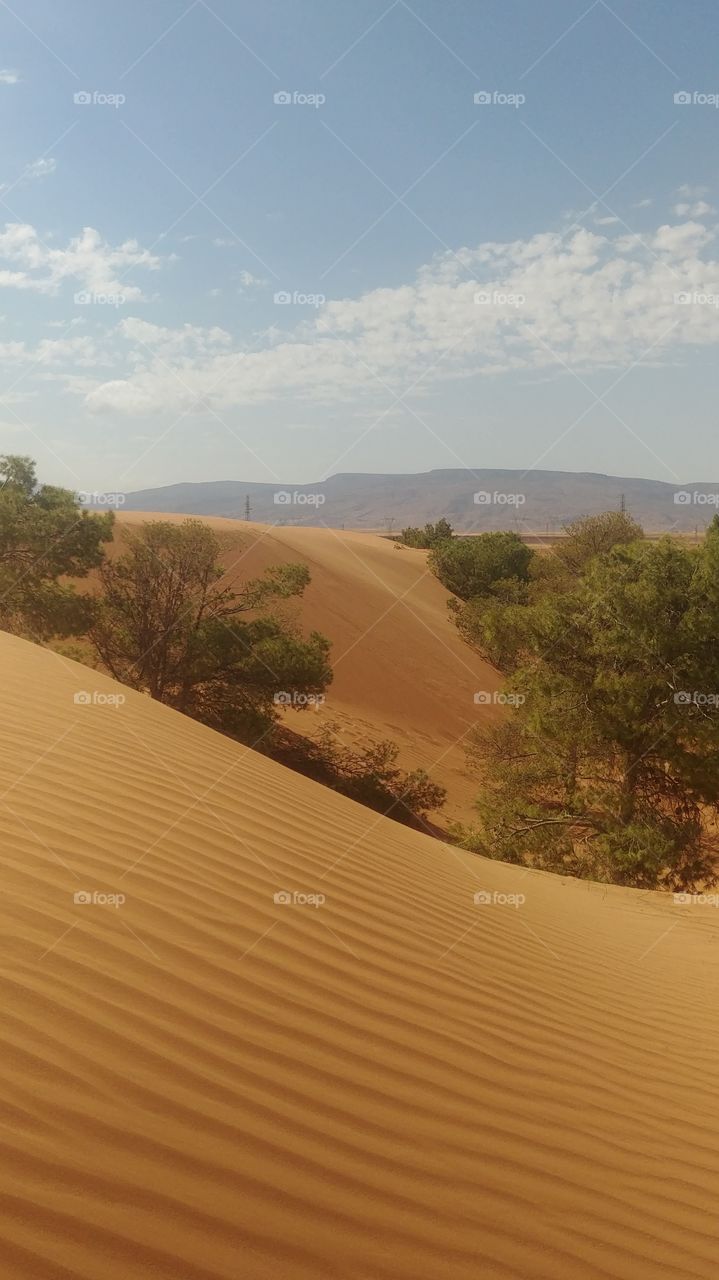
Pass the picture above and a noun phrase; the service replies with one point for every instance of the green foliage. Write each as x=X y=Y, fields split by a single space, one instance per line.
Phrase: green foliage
x=167 y=625
x=595 y=535
x=44 y=536
x=499 y=621
x=610 y=769
x=495 y=628
x=430 y=536
x=471 y=567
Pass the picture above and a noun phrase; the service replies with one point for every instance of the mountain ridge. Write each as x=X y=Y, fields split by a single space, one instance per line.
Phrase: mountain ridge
x=473 y=500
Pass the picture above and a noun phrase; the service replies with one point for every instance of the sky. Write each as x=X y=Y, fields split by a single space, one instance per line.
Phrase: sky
x=283 y=240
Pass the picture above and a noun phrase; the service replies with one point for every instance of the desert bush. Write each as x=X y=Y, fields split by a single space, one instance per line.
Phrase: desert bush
x=430 y=536
x=470 y=567
x=167 y=624
x=610 y=768
x=595 y=535
x=44 y=536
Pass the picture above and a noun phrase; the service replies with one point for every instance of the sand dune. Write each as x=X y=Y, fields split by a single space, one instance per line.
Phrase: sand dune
x=397 y=1084
x=401 y=670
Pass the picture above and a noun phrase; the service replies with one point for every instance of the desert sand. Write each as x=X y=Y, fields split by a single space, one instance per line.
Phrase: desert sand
x=401 y=670
x=395 y=1084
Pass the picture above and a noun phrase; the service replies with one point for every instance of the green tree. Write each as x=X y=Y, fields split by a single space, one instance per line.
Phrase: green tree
x=474 y=566
x=595 y=535
x=44 y=536
x=430 y=536
x=610 y=768
x=496 y=623
x=168 y=625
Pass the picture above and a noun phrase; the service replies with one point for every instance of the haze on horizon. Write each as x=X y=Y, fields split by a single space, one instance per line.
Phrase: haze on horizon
x=256 y=243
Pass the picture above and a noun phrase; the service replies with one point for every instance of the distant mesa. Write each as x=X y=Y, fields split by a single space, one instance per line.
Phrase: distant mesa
x=530 y=502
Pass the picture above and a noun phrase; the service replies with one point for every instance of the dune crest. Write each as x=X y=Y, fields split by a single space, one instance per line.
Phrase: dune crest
x=373 y=1077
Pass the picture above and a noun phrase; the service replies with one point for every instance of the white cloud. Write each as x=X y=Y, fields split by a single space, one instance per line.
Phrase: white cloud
x=54 y=352
x=87 y=260
x=126 y=397
x=581 y=299
x=40 y=168
x=76 y=323
x=9 y=77
x=248 y=281
x=82 y=352
x=16 y=397
x=699 y=209
x=189 y=340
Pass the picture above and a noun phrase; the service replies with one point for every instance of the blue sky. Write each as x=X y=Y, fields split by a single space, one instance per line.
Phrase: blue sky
x=526 y=281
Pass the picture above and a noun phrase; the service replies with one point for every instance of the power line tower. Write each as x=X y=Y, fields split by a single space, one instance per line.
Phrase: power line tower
x=247 y=506
x=623 y=505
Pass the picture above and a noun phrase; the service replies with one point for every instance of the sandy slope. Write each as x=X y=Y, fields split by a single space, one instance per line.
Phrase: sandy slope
x=401 y=671
x=395 y=1085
